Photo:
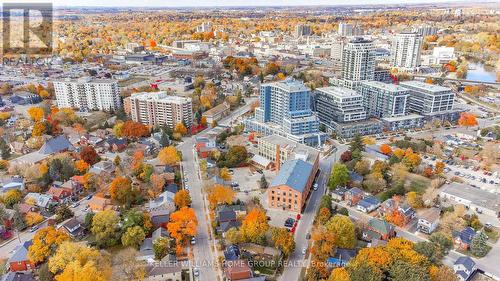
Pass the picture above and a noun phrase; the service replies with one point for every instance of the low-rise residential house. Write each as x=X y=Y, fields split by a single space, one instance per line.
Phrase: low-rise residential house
x=103 y=166
x=19 y=260
x=146 y=251
x=163 y=201
x=388 y=207
x=237 y=270
x=72 y=227
x=355 y=178
x=353 y=196
x=462 y=239
x=407 y=212
x=14 y=182
x=160 y=217
x=379 y=229
x=18 y=147
x=290 y=188
x=232 y=253
x=116 y=144
x=368 y=204
x=60 y=194
x=99 y=204
x=75 y=184
x=170 y=272
x=56 y=145
x=225 y=219
x=428 y=220
x=464 y=268
x=25 y=208
x=216 y=113
x=18 y=276
x=341 y=257
x=146 y=146
x=339 y=193
x=43 y=201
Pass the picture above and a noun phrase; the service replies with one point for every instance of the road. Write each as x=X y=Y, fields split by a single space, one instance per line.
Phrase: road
x=293 y=266
x=204 y=256
x=8 y=247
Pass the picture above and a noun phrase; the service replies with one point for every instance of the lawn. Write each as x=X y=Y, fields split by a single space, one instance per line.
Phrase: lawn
x=417 y=183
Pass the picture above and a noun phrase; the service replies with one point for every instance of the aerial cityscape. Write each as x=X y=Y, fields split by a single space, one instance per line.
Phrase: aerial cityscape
x=214 y=140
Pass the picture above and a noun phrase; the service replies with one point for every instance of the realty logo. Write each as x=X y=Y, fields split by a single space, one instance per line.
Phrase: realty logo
x=27 y=28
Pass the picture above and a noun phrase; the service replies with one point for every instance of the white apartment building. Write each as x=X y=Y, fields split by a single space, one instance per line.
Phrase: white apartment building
x=338 y=104
x=347 y=29
x=88 y=94
x=405 y=51
x=158 y=108
x=428 y=98
x=383 y=99
x=358 y=60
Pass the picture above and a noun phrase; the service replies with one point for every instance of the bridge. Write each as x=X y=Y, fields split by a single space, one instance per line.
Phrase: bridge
x=497 y=84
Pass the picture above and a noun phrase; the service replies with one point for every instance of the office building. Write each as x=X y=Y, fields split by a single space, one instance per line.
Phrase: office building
x=347 y=29
x=302 y=30
x=88 y=94
x=285 y=109
x=432 y=101
x=406 y=48
x=338 y=104
x=158 y=108
x=384 y=100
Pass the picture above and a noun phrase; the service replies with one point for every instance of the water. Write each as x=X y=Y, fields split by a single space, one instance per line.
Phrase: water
x=479 y=73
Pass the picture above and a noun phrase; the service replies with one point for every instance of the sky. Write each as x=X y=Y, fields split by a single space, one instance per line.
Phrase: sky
x=198 y=3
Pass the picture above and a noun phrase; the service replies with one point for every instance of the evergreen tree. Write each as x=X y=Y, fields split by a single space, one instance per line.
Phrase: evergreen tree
x=357 y=144
x=5 y=149
x=478 y=245
x=18 y=219
x=263 y=182
x=164 y=139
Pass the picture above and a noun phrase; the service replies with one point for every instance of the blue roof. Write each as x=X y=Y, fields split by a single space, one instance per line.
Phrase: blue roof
x=369 y=201
x=467 y=262
x=466 y=235
x=21 y=253
x=55 y=145
x=294 y=174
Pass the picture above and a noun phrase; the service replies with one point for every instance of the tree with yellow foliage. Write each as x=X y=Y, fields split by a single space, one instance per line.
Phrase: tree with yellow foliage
x=169 y=156
x=218 y=194
x=81 y=166
x=33 y=218
x=254 y=226
x=45 y=243
x=39 y=129
x=339 y=274
x=180 y=129
x=35 y=113
x=225 y=174
x=182 y=199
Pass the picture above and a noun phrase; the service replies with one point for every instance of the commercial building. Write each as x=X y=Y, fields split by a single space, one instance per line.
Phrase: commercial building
x=338 y=104
x=278 y=150
x=404 y=122
x=384 y=100
x=302 y=30
x=285 y=109
x=474 y=199
x=350 y=129
x=431 y=101
x=216 y=113
x=158 y=108
x=88 y=94
x=289 y=189
x=406 y=49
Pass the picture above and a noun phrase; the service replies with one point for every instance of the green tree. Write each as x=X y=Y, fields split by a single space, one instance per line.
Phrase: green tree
x=442 y=240
x=364 y=272
x=356 y=146
x=431 y=250
x=344 y=230
x=479 y=246
x=133 y=237
x=339 y=176
x=163 y=246
x=405 y=271
x=105 y=227
x=263 y=182
x=283 y=240
x=63 y=212
x=4 y=149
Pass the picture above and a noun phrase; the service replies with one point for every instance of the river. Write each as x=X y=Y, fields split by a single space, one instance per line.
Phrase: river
x=479 y=73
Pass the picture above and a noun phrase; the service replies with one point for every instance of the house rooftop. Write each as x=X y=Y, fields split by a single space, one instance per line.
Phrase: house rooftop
x=476 y=196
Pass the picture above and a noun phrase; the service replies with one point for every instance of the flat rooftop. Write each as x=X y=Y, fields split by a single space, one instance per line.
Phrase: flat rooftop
x=340 y=92
x=403 y=118
x=289 y=85
x=476 y=196
x=385 y=86
x=158 y=96
x=424 y=86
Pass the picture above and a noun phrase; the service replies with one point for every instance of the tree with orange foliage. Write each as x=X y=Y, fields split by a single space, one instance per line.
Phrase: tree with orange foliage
x=439 y=169
x=38 y=129
x=152 y=43
x=339 y=274
x=395 y=217
x=180 y=129
x=121 y=190
x=219 y=194
x=36 y=113
x=323 y=247
x=182 y=225
x=467 y=119
x=428 y=172
x=429 y=80
x=137 y=161
x=89 y=155
x=158 y=182
x=399 y=153
x=385 y=149
x=131 y=129
x=81 y=166
x=182 y=199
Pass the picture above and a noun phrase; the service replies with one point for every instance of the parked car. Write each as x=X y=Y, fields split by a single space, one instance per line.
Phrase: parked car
x=193 y=241
x=196 y=272
x=304 y=251
x=34 y=228
x=289 y=222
